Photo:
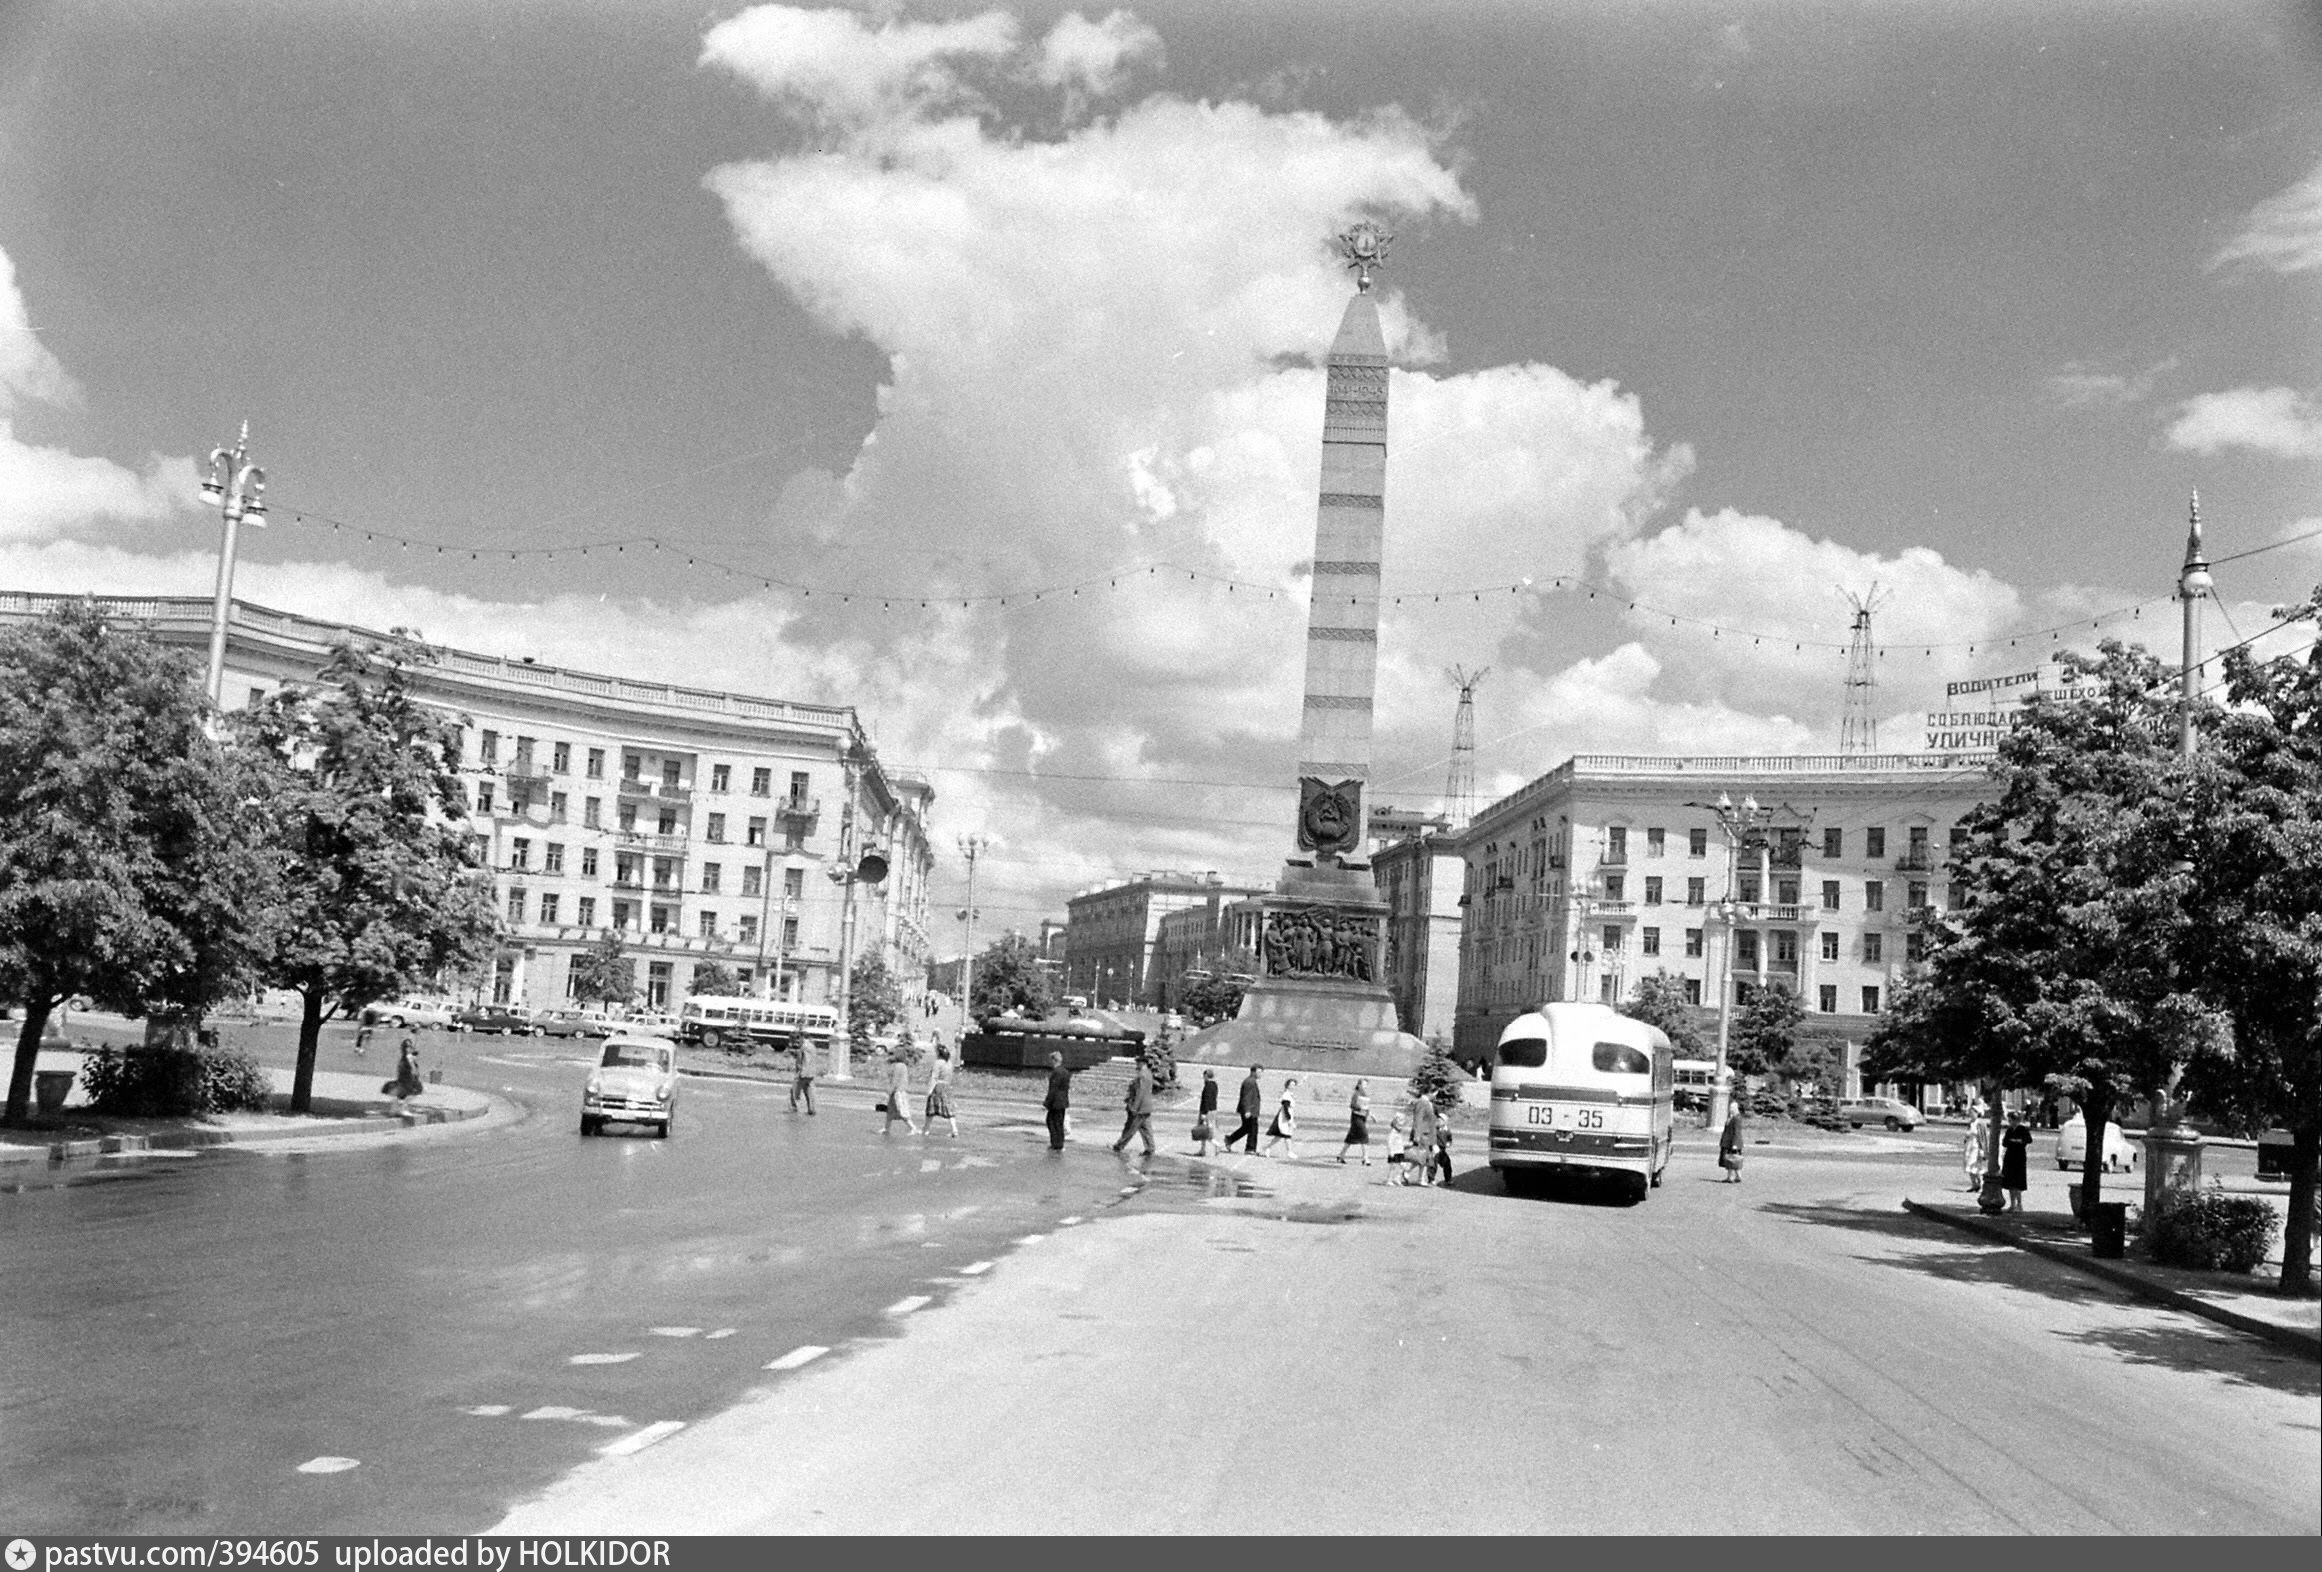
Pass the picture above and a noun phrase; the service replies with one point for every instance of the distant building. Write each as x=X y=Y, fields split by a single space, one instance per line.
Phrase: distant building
x=1110 y=956
x=700 y=825
x=1422 y=877
x=1612 y=867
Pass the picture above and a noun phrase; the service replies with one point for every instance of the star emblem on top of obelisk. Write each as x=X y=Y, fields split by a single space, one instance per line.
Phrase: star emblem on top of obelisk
x=1365 y=248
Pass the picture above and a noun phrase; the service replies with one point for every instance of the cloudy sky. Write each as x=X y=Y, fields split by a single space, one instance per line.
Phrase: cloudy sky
x=896 y=325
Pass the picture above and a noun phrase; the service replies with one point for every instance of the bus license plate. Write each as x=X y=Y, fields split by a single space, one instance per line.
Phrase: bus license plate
x=1564 y=1116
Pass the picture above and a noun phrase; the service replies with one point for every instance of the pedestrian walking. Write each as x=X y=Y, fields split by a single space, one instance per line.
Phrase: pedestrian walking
x=2015 y=1160
x=1137 y=1107
x=1358 y=1123
x=1249 y=1103
x=801 y=1074
x=898 y=1103
x=1205 y=1120
x=1059 y=1099
x=1729 y=1146
x=1971 y=1149
x=1441 y=1162
x=1397 y=1158
x=406 y=1082
x=1426 y=1127
x=939 y=1094
x=1284 y=1129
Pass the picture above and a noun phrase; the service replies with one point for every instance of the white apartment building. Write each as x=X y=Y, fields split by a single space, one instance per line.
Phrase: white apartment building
x=701 y=825
x=1613 y=867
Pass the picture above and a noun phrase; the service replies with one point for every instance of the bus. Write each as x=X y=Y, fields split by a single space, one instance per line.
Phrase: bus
x=1694 y=1078
x=1582 y=1089
x=725 y=1020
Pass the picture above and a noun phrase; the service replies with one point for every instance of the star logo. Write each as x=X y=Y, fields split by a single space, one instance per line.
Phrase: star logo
x=20 y=1555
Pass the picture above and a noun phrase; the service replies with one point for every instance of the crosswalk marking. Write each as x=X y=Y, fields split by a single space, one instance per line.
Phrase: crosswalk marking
x=906 y=1305
x=328 y=1465
x=638 y=1440
x=488 y=1410
x=805 y=1354
x=723 y=1331
x=1067 y=1222
x=600 y=1359
x=976 y=1270
x=674 y=1331
x=1031 y=1239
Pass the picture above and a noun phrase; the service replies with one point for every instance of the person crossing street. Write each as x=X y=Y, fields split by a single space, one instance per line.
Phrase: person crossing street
x=1138 y=1105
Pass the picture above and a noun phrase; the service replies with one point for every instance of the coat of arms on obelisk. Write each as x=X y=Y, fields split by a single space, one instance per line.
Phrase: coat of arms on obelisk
x=1330 y=817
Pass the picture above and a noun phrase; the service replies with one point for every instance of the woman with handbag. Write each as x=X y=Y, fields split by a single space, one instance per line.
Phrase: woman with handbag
x=1205 y=1120
x=1729 y=1146
x=1284 y=1129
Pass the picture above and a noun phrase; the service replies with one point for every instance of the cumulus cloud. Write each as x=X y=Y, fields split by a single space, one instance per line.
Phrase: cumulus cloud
x=2282 y=234
x=1094 y=56
x=842 y=65
x=2278 y=421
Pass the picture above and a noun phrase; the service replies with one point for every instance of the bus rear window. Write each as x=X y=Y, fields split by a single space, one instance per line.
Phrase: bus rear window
x=1524 y=1053
x=1621 y=1059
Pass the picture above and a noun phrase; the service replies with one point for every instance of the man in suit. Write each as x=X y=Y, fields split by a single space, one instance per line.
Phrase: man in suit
x=1250 y=1104
x=1058 y=1100
x=1139 y=1108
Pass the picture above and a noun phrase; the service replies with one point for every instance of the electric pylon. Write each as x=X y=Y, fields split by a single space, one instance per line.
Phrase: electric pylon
x=1459 y=783
x=1859 y=728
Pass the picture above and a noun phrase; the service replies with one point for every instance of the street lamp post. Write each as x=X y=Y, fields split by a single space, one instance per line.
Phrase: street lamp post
x=972 y=848
x=238 y=487
x=1738 y=823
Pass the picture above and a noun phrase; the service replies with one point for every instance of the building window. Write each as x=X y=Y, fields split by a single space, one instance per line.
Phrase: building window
x=560 y=758
x=721 y=777
x=664 y=873
x=624 y=868
x=558 y=802
x=585 y=912
x=515 y=905
x=799 y=782
x=552 y=857
x=1693 y=943
x=1833 y=843
x=661 y=919
x=789 y=934
x=1650 y=942
x=1873 y=949
x=548 y=907
x=1918 y=851
x=717 y=827
x=1786 y=947
x=624 y=914
x=1616 y=843
x=1958 y=836
x=1915 y=894
x=572 y=976
x=671 y=774
x=1612 y=939
x=1874 y=844
x=1830 y=895
x=666 y=824
x=657 y=984
x=596 y=770
x=593 y=814
x=488 y=747
x=483 y=796
x=793 y=836
x=709 y=877
x=1874 y=895
x=1745 y=948
x=709 y=925
x=1914 y=946
x=1749 y=889
x=1696 y=843
x=1696 y=892
x=793 y=883
x=1870 y=1001
x=1827 y=997
x=1656 y=840
x=752 y=875
x=520 y=853
x=632 y=767
x=626 y=817
x=588 y=862
x=749 y=927
x=757 y=833
x=1692 y=990
x=1614 y=885
x=761 y=783
x=1652 y=892
x=1830 y=946
x=1785 y=892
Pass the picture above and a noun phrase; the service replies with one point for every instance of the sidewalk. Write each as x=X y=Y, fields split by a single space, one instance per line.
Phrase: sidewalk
x=2245 y=1304
x=343 y=1105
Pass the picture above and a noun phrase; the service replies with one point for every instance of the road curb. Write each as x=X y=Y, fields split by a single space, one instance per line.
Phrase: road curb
x=2289 y=1337
x=199 y=1140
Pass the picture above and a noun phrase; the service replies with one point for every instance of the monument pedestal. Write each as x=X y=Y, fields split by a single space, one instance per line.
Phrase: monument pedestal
x=1317 y=1006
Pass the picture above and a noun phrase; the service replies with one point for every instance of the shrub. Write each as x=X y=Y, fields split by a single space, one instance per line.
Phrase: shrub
x=2214 y=1232
x=164 y=1083
x=1439 y=1078
x=1161 y=1059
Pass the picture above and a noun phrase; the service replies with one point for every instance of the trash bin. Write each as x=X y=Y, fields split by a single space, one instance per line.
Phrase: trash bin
x=2108 y=1230
x=50 y=1088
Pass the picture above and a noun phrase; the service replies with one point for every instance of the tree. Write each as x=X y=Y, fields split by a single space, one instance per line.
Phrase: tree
x=132 y=868
x=1766 y=1031
x=1217 y=994
x=1660 y=1001
x=2257 y=817
x=1011 y=981
x=380 y=891
x=874 y=997
x=714 y=977
x=604 y=972
x=1438 y=1079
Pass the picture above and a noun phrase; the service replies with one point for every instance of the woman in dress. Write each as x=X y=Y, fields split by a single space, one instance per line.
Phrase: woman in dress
x=939 y=1095
x=1729 y=1146
x=1205 y=1119
x=1358 y=1124
x=1426 y=1127
x=1285 y=1126
x=2015 y=1160
x=1971 y=1150
x=898 y=1103
x=406 y=1082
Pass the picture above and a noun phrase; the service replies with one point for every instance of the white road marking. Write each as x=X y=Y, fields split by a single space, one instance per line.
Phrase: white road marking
x=906 y=1305
x=1130 y=1189
x=1031 y=1239
x=609 y=1421
x=489 y=1410
x=978 y=1269
x=1067 y=1222
x=554 y=1411
x=805 y=1354
x=674 y=1331
x=600 y=1359
x=723 y=1331
x=639 y=1440
x=929 y=1165
x=327 y=1465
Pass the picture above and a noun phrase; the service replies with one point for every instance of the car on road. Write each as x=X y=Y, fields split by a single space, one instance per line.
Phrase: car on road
x=650 y=1023
x=1892 y=1112
x=634 y=1082
x=404 y=1013
x=2120 y=1153
x=565 y=1023
x=502 y=1018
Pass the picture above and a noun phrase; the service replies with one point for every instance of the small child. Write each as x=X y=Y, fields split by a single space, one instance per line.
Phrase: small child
x=1396 y=1158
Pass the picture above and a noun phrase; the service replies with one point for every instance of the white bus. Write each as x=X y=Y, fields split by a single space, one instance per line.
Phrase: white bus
x=718 y=1020
x=1581 y=1088
x=1694 y=1077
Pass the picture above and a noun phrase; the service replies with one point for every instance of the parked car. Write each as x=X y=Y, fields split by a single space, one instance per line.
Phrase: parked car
x=634 y=1082
x=502 y=1018
x=565 y=1023
x=650 y=1023
x=402 y=1013
x=2120 y=1153
x=1892 y=1112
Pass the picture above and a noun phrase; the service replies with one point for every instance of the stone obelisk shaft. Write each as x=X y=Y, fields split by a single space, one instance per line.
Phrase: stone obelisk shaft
x=1342 y=626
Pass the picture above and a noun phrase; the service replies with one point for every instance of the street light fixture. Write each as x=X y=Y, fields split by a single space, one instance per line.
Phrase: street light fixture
x=238 y=487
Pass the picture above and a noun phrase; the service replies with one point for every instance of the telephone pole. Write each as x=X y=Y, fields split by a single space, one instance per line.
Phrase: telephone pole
x=238 y=487
x=971 y=847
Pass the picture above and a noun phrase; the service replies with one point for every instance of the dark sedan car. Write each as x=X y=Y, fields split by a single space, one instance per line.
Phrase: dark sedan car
x=494 y=1018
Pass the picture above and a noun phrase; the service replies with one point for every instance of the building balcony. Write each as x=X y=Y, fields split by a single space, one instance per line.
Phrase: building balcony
x=524 y=770
x=1914 y=862
x=801 y=808
x=1593 y=908
x=649 y=841
x=1614 y=857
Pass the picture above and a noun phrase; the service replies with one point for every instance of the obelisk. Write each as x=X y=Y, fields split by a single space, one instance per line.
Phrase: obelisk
x=1318 y=1003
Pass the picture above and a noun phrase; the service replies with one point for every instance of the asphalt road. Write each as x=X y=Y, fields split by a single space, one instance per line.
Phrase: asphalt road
x=467 y=1318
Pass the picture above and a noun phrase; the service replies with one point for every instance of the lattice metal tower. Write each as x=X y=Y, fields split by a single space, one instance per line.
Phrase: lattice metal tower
x=1459 y=783
x=1859 y=729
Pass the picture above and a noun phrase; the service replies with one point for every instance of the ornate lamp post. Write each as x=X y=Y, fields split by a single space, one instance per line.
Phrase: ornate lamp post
x=1739 y=823
x=972 y=848
x=238 y=487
